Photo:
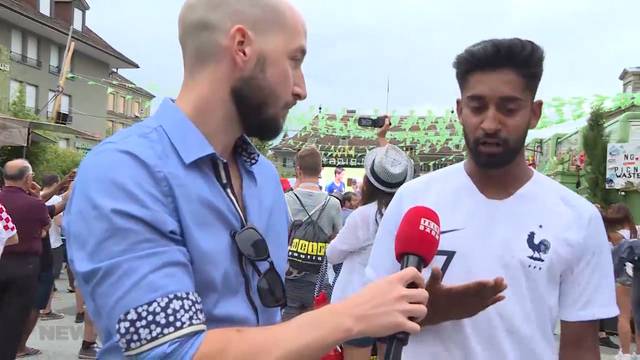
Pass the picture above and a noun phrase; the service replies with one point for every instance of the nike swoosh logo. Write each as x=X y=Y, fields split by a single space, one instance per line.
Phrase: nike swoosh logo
x=450 y=231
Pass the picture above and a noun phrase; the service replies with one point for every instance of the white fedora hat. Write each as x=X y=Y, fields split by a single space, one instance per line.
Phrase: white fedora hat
x=388 y=167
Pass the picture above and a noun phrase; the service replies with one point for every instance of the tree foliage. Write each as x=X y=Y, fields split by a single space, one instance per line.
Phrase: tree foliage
x=595 y=140
x=18 y=107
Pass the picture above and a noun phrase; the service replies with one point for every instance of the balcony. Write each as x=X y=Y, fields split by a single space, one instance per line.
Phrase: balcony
x=62 y=118
x=55 y=70
x=24 y=59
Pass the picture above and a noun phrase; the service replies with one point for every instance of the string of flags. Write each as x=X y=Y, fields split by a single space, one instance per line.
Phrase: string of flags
x=145 y=105
x=556 y=111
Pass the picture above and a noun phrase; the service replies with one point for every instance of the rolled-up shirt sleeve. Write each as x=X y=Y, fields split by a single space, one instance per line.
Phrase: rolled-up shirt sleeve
x=127 y=252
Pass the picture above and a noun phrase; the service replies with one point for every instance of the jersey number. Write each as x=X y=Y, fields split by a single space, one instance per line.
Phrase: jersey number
x=448 y=258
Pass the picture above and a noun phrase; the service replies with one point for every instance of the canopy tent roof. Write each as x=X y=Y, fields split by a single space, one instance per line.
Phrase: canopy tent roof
x=564 y=128
x=15 y=132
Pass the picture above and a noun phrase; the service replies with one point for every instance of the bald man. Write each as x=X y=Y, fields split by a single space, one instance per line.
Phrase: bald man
x=177 y=227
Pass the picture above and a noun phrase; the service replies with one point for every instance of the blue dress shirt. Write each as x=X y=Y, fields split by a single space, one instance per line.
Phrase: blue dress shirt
x=148 y=235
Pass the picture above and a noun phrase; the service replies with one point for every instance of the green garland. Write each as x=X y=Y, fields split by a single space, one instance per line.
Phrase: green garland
x=432 y=132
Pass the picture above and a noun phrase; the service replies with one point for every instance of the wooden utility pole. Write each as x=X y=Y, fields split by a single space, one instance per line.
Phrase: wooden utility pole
x=68 y=54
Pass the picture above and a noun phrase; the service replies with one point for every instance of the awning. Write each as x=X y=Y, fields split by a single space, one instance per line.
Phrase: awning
x=14 y=132
x=41 y=137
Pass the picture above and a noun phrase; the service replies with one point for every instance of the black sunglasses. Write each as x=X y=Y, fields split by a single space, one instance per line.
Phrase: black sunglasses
x=254 y=248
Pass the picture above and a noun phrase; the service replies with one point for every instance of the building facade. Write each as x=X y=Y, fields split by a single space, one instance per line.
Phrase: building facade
x=33 y=36
x=127 y=103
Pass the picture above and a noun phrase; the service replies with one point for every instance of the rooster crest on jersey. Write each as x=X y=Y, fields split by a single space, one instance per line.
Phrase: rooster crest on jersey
x=540 y=248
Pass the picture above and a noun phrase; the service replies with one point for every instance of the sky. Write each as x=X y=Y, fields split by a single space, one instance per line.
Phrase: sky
x=355 y=45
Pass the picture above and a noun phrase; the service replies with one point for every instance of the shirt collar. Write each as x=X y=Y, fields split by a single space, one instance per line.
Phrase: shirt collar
x=190 y=142
x=16 y=189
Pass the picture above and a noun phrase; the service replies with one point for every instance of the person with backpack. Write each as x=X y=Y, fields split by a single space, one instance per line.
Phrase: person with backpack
x=386 y=169
x=316 y=217
x=621 y=229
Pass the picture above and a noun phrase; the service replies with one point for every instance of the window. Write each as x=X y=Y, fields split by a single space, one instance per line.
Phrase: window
x=629 y=88
x=111 y=99
x=65 y=104
x=135 y=108
x=45 y=7
x=50 y=106
x=54 y=59
x=78 y=19
x=110 y=127
x=13 y=89
x=121 y=103
x=16 y=45
x=63 y=143
x=32 y=50
x=32 y=93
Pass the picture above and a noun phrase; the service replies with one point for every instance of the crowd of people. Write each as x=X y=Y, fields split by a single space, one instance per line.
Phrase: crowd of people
x=192 y=250
x=33 y=254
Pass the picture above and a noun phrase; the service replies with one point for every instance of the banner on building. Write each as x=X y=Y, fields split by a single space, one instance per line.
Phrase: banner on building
x=623 y=166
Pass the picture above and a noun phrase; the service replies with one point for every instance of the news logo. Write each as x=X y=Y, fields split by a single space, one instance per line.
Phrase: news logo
x=430 y=227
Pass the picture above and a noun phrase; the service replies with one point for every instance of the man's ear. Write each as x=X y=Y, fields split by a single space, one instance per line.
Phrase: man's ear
x=536 y=113
x=242 y=45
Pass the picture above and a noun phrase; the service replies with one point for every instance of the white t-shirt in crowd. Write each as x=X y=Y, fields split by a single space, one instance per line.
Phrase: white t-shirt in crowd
x=7 y=227
x=352 y=247
x=54 y=231
x=547 y=242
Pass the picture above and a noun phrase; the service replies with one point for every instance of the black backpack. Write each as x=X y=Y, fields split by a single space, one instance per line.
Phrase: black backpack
x=308 y=240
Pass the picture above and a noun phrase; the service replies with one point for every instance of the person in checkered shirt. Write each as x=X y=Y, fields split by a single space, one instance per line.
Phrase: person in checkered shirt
x=8 y=232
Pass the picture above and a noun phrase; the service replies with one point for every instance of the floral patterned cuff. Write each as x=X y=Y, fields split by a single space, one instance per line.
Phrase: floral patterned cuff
x=159 y=321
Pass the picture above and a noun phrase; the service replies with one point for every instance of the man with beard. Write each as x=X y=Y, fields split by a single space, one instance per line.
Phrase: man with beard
x=177 y=227
x=502 y=220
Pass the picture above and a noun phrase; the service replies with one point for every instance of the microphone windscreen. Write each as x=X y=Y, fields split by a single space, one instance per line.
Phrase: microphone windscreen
x=418 y=234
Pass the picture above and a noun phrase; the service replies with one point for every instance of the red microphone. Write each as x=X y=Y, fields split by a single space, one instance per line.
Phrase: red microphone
x=417 y=242
x=418 y=238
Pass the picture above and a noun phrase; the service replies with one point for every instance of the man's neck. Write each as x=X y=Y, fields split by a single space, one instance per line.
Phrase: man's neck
x=499 y=184
x=309 y=183
x=212 y=112
x=337 y=182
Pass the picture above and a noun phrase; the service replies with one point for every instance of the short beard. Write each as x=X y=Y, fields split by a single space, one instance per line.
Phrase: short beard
x=510 y=152
x=252 y=99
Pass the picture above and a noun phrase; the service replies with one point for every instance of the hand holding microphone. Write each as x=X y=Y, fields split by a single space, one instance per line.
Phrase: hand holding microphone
x=416 y=245
x=387 y=305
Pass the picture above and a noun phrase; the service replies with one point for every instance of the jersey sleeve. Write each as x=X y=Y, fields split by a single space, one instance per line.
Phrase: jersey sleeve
x=587 y=285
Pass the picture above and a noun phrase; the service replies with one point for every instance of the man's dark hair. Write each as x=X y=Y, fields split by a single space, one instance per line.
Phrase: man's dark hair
x=524 y=57
x=347 y=197
x=339 y=170
x=49 y=180
x=17 y=175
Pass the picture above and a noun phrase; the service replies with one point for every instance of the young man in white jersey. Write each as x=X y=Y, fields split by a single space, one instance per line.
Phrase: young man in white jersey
x=502 y=220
